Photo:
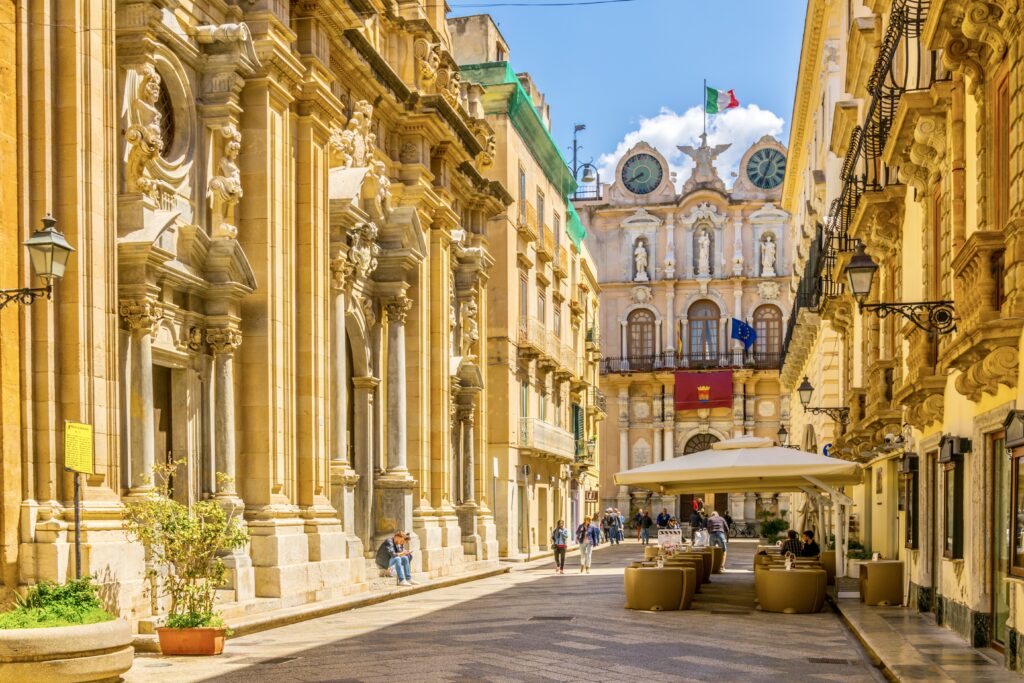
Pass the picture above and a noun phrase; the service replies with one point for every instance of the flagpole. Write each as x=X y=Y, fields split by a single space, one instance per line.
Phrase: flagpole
x=704 y=99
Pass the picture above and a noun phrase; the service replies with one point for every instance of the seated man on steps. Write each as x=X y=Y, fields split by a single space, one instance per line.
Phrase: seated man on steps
x=392 y=554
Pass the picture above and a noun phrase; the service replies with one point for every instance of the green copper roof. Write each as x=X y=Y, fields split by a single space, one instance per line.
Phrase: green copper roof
x=505 y=95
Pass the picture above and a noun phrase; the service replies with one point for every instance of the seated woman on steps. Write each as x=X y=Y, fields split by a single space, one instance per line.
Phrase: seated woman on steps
x=392 y=556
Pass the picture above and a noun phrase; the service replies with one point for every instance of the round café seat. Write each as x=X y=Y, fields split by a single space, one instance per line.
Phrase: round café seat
x=718 y=559
x=828 y=561
x=793 y=591
x=881 y=583
x=654 y=588
x=705 y=564
x=651 y=552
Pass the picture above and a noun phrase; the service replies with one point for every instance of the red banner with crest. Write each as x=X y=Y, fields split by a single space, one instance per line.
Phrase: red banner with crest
x=696 y=390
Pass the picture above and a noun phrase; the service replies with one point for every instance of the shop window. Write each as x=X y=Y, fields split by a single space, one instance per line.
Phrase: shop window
x=951 y=458
x=1014 y=441
x=908 y=498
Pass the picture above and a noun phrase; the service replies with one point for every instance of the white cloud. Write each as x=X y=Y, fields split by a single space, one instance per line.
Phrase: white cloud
x=741 y=126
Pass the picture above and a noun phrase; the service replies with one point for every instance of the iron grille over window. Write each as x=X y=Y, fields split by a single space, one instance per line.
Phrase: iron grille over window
x=166 y=109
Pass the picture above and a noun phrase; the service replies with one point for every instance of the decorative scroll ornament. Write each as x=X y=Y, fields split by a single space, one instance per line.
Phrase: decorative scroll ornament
x=224 y=339
x=428 y=62
x=342 y=270
x=353 y=147
x=363 y=250
x=449 y=85
x=641 y=294
x=143 y=132
x=769 y=291
x=142 y=315
x=228 y=33
x=487 y=156
x=226 y=188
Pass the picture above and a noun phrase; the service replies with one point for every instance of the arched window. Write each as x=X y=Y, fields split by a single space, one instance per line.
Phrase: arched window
x=640 y=330
x=704 y=325
x=699 y=442
x=768 y=325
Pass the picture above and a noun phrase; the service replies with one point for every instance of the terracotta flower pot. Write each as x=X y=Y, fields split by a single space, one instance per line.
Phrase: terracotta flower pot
x=191 y=641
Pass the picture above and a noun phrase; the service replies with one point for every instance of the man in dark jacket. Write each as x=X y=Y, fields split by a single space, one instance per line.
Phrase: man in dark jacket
x=696 y=524
x=810 y=548
x=392 y=553
x=663 y=518
x=645 y=528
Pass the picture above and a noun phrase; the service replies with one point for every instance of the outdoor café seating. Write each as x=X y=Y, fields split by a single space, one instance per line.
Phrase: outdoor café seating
x=659 y=588
x=881 y=582
x=828 y=561
x=696 y=564
x=651 y=552
x=791 y=591
x=718 y=559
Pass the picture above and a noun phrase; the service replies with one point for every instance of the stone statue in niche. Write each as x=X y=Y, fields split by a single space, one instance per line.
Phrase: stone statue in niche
x=768 y=256
x=640 y=261
x=143 y=131
x=703 y=254
x=226 y=187
x=470 y=327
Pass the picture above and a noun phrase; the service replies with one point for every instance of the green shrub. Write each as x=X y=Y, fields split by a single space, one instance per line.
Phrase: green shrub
x=772 y=525
x=49 y=604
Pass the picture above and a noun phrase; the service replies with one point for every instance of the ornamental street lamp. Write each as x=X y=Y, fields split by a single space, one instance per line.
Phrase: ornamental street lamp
x=584 y=172
x=931 y=316
x=840 y=414
x=48 y=251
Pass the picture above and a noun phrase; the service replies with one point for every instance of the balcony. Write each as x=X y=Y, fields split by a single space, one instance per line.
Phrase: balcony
x=670 y=361
x=545 y=244
x=526 y=223
x=583 y=459
x=543 y=439
x=561 y=264
x=598 y=403
x=532 y=339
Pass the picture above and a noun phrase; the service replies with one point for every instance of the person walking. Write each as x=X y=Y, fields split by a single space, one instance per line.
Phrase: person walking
x=622 y=525
x=645 y=528
x=559 y=541
x=696 y=524
x=638 y=519
x=718 y=530
x=589 y=539
x=606 y=525
x=613 y=527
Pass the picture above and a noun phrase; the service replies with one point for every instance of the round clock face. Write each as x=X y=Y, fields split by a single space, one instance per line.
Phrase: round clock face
x=766 y=168
x=642 y=174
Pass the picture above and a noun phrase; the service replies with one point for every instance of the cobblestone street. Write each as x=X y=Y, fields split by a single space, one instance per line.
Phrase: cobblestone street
x=532 y=625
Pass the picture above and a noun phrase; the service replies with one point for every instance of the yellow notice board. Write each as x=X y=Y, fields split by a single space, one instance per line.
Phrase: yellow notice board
x=78 y=447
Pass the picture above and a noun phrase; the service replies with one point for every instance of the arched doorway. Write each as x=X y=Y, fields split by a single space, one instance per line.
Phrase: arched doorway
x=696 y=443
x=640 y=329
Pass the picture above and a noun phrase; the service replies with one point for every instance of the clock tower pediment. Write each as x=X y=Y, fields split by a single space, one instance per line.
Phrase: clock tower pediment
x=761 y=171
x=642 y=176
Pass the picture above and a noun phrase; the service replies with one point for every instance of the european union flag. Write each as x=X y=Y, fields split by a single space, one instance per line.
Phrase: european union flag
x=744 y=332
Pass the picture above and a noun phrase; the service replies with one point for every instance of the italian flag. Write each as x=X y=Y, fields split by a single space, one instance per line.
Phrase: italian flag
x=719 y=100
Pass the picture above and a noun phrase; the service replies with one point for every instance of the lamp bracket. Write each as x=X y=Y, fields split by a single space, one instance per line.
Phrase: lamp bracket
x=25 y=296
x=931 y=316
x=839 y=414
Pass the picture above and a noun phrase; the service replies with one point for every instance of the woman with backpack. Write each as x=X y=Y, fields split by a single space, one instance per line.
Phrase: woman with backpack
x=588 y=535
x=559 y=541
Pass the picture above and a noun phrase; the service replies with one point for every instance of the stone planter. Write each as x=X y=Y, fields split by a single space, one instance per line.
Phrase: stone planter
x=191 y=641
x=67 y=654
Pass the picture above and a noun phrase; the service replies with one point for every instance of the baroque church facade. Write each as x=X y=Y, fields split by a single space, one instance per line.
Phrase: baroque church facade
x=675 y=267
x=279 y=213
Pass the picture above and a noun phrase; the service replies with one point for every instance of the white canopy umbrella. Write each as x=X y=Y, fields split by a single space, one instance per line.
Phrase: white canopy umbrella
x=751 y=464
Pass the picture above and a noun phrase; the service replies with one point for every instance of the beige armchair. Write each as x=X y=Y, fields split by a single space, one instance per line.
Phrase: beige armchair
x=793 y=591
x=881 y=583
x=656 y=589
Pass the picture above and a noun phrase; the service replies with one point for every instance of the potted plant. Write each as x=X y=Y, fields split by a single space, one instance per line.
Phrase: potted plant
x=183 y=544
x=772 y=525
x=62 y=633
x=856 y=555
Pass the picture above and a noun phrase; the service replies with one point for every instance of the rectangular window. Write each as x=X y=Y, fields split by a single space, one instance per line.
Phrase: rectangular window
x=952 y=517
x=557 y=323
x=557 y=395
x=556 y=225
x=542 y=390
x=524 y=306
x=524 y=397
x=908 y=498
x=1017 y=513
x=1001 y=151
x=542 y=310
x=522 y=195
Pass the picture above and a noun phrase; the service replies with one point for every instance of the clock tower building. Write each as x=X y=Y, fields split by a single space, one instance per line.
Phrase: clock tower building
x=680 y=266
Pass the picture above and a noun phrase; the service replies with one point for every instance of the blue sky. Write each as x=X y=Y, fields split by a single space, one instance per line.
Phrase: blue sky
x=635 y=68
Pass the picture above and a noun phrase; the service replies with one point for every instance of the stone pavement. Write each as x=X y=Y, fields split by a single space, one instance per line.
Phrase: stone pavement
x=533 y=625
x=914 y=648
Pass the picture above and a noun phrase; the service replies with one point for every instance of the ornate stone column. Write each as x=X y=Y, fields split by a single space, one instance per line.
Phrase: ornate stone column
x=397 y=312
x=224 y=341
x=622 y=339
x=467 y=416
x=623 y=437
x=340 y=268
x=141 y=315
x=670 y=313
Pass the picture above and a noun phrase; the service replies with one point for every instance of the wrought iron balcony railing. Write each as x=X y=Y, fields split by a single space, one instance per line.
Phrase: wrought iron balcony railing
x=667 y=361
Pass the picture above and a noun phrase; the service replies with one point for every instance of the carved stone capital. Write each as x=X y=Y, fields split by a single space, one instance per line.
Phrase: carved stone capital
x=224 y=339
x=398 y=310
x=140 y=314
x=467 y=414
x=341 y=271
